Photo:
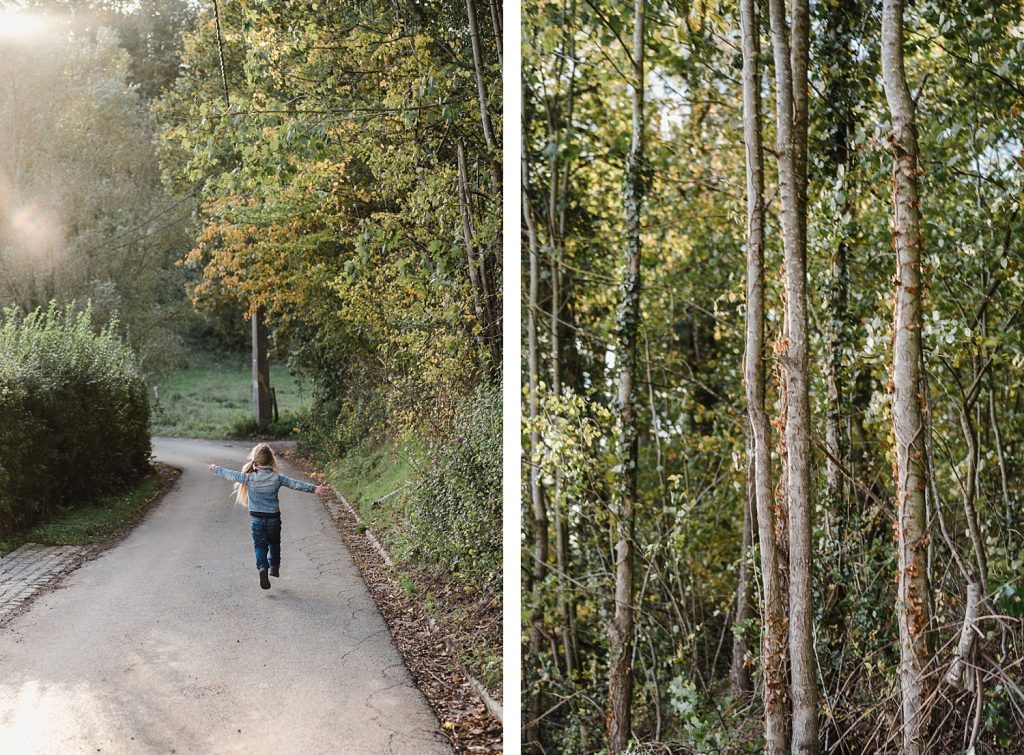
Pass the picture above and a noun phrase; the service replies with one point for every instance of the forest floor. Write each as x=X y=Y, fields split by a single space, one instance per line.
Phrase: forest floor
x=437 y=628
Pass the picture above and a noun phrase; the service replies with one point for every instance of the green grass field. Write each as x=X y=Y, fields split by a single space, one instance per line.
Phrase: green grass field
x=212 y=398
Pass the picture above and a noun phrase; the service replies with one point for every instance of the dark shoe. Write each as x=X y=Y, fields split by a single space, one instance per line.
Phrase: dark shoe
x=275 y=572
x=264 y=579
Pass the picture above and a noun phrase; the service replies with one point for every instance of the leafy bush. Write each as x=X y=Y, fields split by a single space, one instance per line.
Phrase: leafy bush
x=75 y=414
x=456 y=511
x=285 y=426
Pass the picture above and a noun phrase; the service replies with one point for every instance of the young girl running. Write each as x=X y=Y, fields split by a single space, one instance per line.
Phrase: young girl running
x=256 y=486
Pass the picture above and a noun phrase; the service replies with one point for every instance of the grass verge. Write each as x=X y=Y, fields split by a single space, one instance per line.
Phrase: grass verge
x=374 y=476
x=99 y=523
x=212 y=398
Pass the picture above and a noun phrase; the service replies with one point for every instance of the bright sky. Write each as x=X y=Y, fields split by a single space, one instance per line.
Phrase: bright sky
x=20 y=26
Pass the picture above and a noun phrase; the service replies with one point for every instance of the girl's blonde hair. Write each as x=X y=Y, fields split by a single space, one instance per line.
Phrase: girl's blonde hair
x=260 y=456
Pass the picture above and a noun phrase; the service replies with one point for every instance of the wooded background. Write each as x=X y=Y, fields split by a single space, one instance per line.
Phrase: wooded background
x=773 y=376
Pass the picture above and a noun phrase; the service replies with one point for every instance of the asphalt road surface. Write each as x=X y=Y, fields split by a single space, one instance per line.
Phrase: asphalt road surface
x=166 y=643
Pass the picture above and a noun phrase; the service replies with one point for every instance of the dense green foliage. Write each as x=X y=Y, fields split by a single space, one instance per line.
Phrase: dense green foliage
x=457 y=503
x=966 y=65
x=435 y=502
x=75 y=414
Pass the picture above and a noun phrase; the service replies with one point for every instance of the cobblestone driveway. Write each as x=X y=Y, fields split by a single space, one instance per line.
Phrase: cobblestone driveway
x=32 y=569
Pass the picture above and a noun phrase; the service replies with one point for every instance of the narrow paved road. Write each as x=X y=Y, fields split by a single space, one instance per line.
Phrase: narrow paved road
x=166 y=643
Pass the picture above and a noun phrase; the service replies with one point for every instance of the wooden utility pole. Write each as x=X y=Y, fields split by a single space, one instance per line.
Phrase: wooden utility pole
x=261 y=401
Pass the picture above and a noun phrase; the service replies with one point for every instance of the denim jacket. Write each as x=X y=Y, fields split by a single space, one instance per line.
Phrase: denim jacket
x=263 y=485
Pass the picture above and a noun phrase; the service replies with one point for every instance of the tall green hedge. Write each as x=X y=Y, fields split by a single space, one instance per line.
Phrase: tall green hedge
x=74 y=416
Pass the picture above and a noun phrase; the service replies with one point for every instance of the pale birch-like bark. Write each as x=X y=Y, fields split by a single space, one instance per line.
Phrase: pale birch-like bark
x=908 y=424
x=790 y=48
x=481 y=88
x=540 y=518
x=620 y=629
x=773 y=626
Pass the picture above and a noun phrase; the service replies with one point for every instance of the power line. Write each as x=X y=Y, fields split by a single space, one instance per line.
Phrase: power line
x=105 y=244
x=220 y=51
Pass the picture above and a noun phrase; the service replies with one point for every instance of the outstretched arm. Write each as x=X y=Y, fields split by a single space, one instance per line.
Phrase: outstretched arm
x=305 y=487
x=229 y=474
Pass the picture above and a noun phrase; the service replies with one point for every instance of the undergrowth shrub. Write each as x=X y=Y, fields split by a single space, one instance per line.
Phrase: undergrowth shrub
x=75 y=414
x=456 y=506
x=433 y=491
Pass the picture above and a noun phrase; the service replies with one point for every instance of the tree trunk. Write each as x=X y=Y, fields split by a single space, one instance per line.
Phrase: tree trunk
x=790 y=52
x=495 y=8
x=840 y=70
x=773 y=627
x=558 y=185
x=620 y=630
x=481 y=90
x=739 y=673
x=538 y=568
x=908 y=424
x=483 y=304
x=262 y=409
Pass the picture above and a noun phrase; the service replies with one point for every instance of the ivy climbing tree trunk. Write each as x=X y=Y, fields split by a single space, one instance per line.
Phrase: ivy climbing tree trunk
x=839 y=64
x=739 y=672
x=620 y=630
x=773 y=598
x=559 y=117
x=908 y=423
x=790 y=48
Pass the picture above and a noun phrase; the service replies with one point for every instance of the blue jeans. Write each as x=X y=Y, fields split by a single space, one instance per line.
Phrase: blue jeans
x=266 y=540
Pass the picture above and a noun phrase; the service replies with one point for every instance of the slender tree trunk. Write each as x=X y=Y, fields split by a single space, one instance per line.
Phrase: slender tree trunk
x=773 y=625
x=980 y=570
x=481 y=89
x=495 y=7
x=483 y=299
x=558 y=186
x=1001 y=457
x=540 y=517
x=739 y=673
x=620 y=630
x=840 y=62
x=908 y=424
x=566 y=605
x=790 y=52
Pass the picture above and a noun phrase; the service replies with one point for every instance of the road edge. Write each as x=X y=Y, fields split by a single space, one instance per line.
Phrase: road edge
x=169 y=478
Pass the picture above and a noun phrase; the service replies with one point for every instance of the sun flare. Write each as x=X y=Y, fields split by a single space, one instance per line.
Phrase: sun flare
x=19 y=26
